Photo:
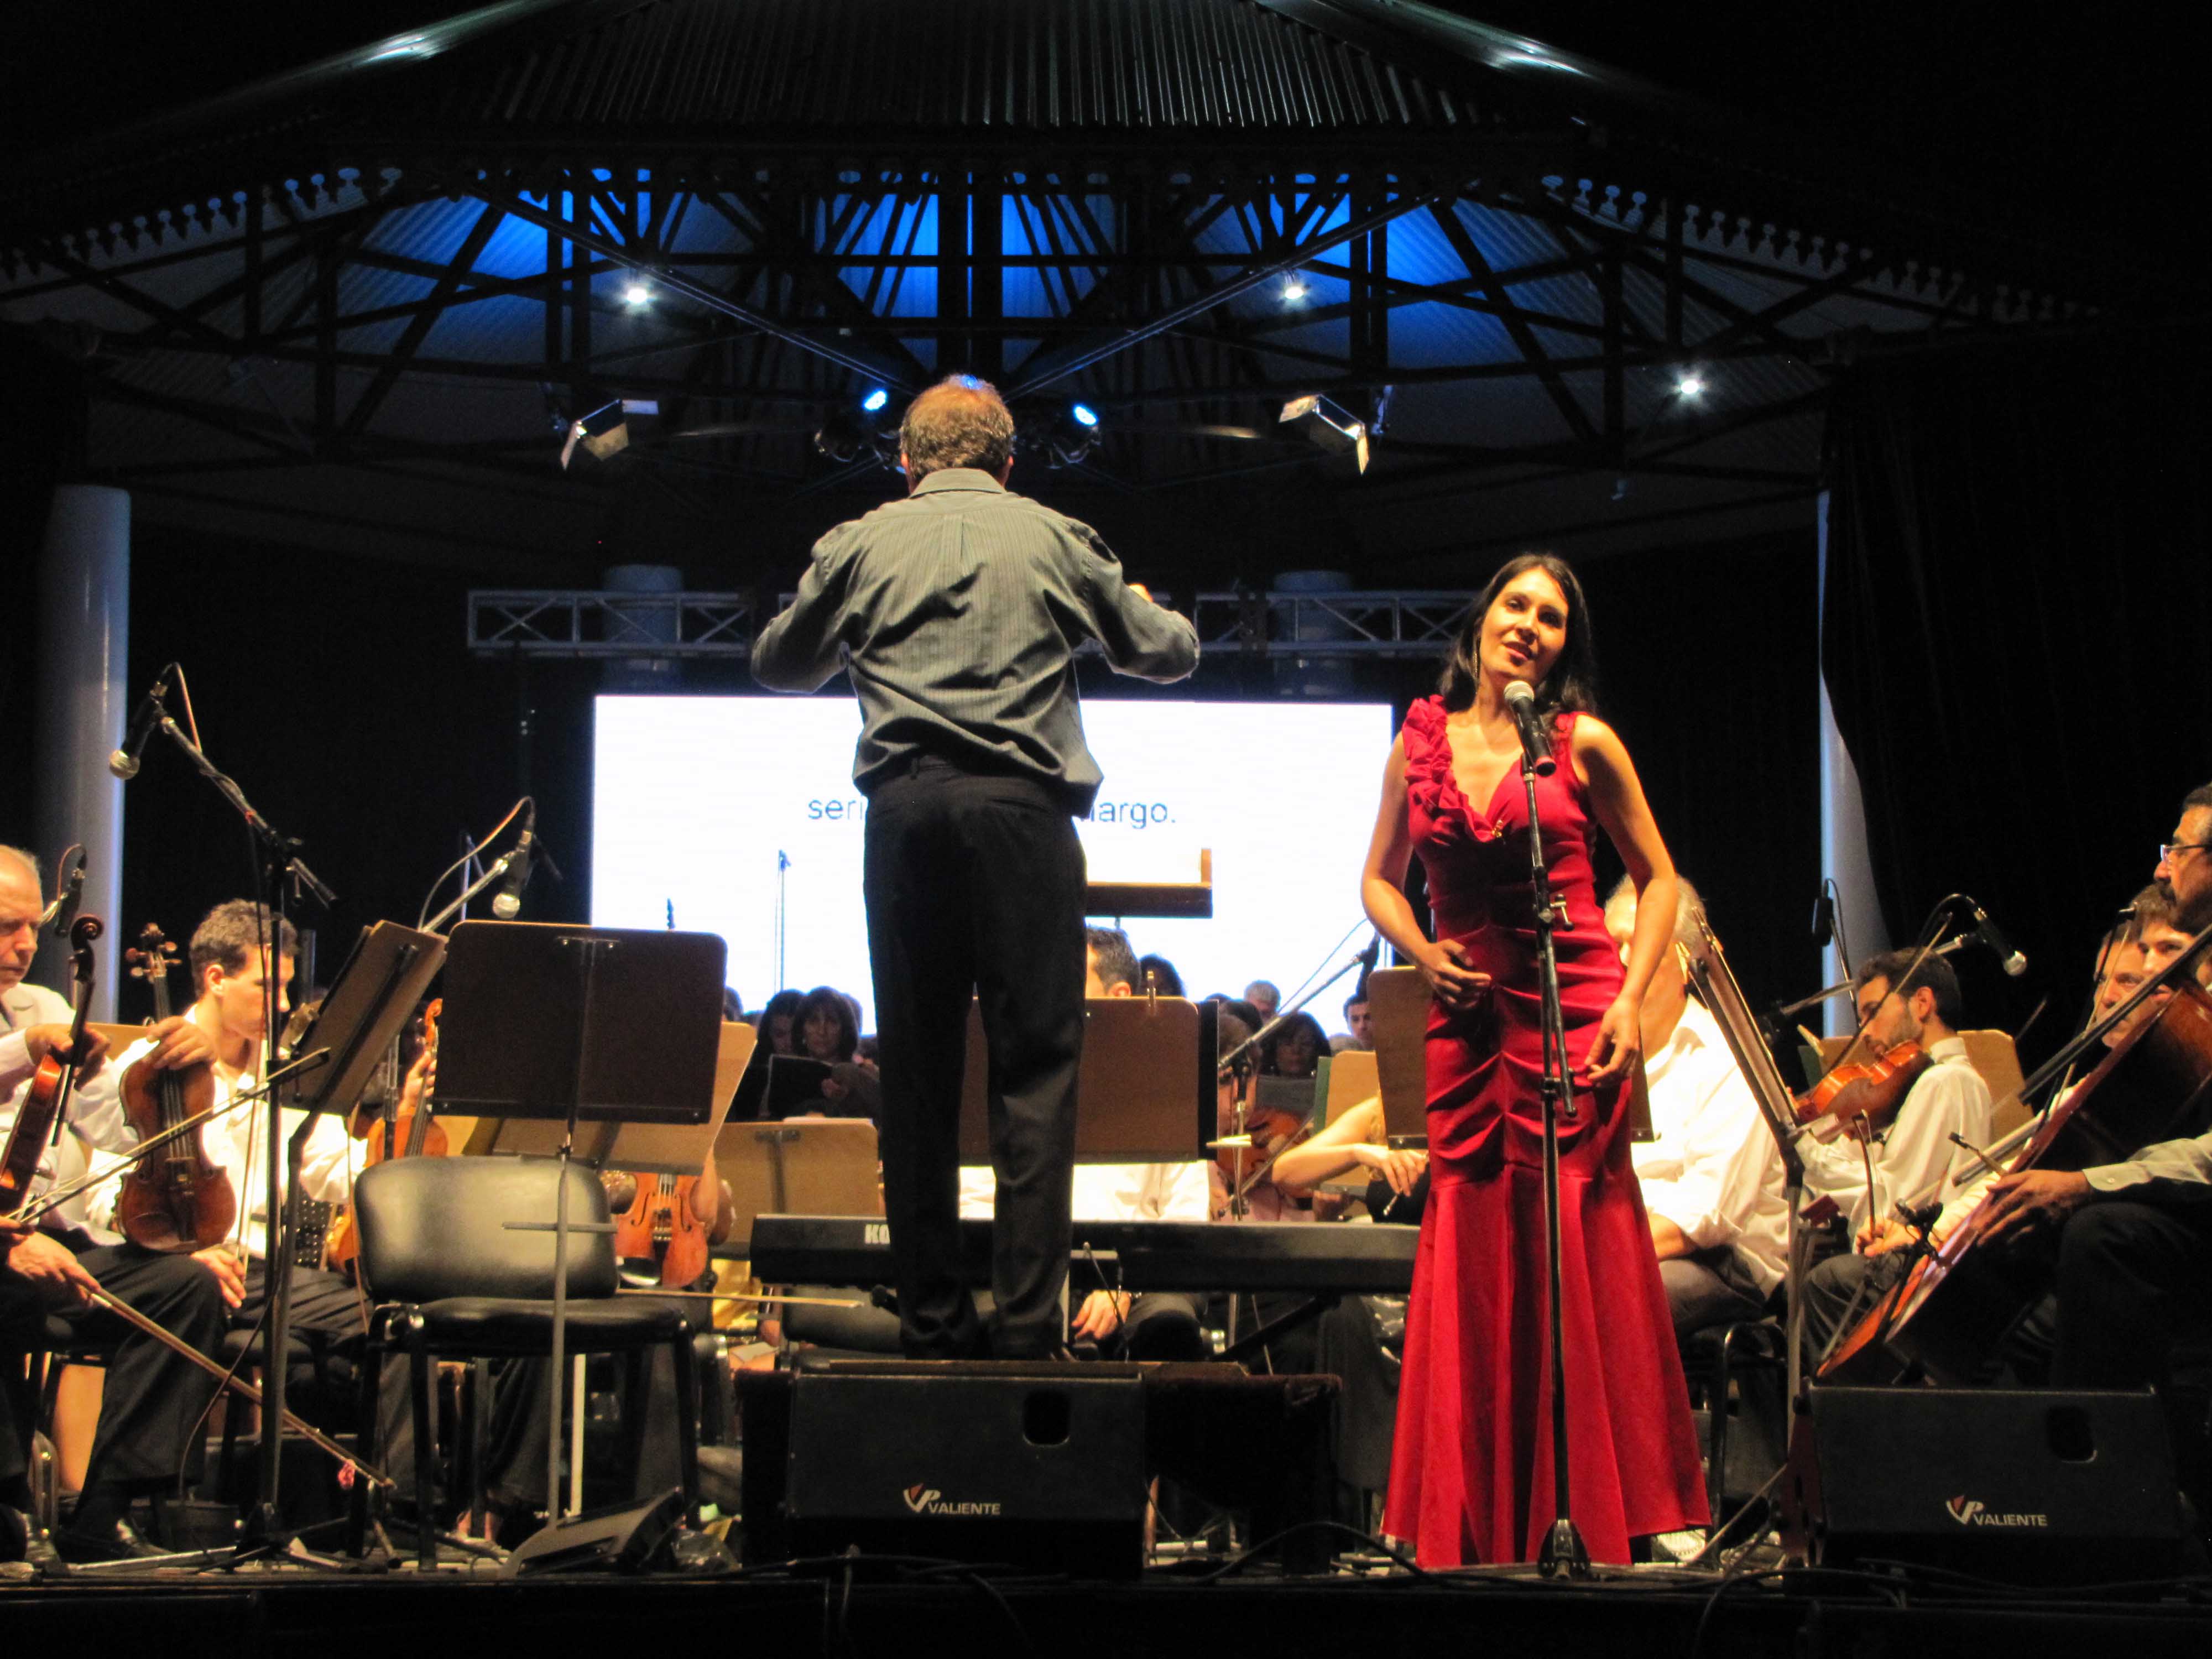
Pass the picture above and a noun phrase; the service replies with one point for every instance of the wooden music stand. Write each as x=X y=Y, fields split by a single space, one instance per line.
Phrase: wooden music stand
x=1353 y=1077
x=801 y=1166
x=1146 y=1091
x=1398 y=1003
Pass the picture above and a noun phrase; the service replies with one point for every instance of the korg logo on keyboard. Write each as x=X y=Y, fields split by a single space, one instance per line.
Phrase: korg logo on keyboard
x=876 y=1232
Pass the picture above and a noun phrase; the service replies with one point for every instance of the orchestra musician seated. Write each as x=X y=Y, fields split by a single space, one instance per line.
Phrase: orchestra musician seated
x=2134 y=1237
x=1913 y=1159
x=1845 y=1286
x=1711 y=1174
x=1359 y=1031
x=151 y=1399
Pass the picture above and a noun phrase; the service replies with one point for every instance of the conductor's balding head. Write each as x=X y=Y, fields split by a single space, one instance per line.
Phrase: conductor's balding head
x=959 y=421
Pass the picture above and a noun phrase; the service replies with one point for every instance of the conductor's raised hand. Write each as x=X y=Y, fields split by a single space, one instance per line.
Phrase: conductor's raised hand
x=1451 y=981
x=1620 y=1039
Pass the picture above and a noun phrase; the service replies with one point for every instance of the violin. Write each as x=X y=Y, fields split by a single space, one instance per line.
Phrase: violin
x=48 y=1096
x=658 y=1230
x=180 y=1201
x=1874 y=1089
x=392 y=1133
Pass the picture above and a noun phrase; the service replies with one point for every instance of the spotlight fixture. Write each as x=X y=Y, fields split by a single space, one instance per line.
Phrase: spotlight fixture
x=605 y=432
x=637 y=294
x=1327 y=427
x=1690 y=386
x=1294 y=288
x=852 y=431
x=1070 y=433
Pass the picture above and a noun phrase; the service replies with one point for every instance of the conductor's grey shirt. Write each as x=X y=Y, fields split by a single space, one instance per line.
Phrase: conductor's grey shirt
x=957 y=612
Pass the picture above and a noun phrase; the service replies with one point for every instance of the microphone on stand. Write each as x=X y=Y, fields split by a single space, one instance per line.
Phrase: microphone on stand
x=2010 y=960
x=123 y=763
x=63 y=911
x=507 y=903
x=1535 y=729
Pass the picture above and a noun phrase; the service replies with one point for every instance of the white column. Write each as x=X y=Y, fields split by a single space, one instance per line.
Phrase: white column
x=83 y=620
x=1842 y=836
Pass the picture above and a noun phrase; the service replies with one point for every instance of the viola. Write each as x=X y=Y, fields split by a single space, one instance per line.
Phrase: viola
x=392 y=1133
x=48 y=1096
x=180 y=1199
x=1874 y=1089
x=658 y=1229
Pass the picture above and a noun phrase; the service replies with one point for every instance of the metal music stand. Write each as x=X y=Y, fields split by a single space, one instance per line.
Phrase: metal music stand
x=367 y=1006
x=614 y=1032
x=1564 y=1550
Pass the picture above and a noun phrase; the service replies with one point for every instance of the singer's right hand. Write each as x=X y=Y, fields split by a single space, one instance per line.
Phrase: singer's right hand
x=1451 y=981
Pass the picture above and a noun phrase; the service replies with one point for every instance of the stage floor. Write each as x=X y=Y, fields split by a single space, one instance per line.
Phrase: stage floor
x=1657 y=1610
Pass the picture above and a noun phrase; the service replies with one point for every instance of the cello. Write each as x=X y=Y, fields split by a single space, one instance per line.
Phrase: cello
x=182 y=1200
x=37 y=1119
x=1950 y=1313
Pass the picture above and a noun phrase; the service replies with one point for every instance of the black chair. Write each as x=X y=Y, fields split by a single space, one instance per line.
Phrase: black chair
x=447 y=1277
x=1738 y=1368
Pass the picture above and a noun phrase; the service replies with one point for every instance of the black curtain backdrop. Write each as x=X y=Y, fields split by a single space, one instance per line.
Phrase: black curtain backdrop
x=2014 y=636
x=339 y=693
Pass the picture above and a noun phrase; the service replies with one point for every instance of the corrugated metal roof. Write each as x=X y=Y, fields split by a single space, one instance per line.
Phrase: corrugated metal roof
x=958 y=65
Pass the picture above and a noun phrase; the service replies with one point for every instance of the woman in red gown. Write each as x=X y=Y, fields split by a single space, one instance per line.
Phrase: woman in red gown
x=1471 y=1468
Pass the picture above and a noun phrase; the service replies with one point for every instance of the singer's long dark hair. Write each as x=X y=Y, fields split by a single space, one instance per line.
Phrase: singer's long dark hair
x=1572 y=682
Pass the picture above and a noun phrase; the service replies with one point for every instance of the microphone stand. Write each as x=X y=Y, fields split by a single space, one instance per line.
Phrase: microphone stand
x=279 y=870
x=1564 y=1550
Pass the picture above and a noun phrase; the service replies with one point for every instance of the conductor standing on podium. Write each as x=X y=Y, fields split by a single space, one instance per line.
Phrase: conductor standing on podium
x=957 y=612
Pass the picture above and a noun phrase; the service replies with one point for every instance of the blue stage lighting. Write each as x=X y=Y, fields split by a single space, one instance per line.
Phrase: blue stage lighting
x=1084 y=415
x=875 y=400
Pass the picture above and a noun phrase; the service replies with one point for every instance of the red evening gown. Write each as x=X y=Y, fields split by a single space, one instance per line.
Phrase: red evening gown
x=1471 y=1466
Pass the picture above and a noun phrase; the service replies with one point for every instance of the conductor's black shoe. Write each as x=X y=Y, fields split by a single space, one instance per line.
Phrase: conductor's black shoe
x=120 y=1541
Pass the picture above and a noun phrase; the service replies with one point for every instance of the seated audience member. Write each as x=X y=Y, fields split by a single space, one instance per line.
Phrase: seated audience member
x=1295 y=1050
x=1712 y=1176
x=827 y=1028
x=774 y=1022
x=1265 y=996
x=1158 y=975
x=1358 y=1024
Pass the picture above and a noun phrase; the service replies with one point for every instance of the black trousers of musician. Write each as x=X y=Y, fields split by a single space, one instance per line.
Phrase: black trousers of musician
x=975 y=885
x=151 y=1399
x=2132 y=1287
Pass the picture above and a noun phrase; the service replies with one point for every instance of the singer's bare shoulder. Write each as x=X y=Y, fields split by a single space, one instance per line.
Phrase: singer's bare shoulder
x=1600 y=756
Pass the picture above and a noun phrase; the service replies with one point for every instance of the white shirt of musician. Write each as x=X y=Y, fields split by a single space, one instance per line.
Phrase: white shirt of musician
x=97 y=1130
x=237 y=1142
x=1109 y=1192
x=1916 y=1160
x=1712 y=1168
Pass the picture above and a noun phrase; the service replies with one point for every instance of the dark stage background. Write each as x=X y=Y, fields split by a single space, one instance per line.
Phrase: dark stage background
x=338 y=692
x=2018 y=595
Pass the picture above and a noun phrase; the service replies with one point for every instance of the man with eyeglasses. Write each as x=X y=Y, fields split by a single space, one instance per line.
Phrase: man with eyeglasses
x=2135 y=1236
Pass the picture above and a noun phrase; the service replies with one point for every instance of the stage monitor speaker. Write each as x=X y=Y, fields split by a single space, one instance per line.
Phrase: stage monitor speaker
x=623 y=1538
x=1035 y=1466
x=2029 y=1487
